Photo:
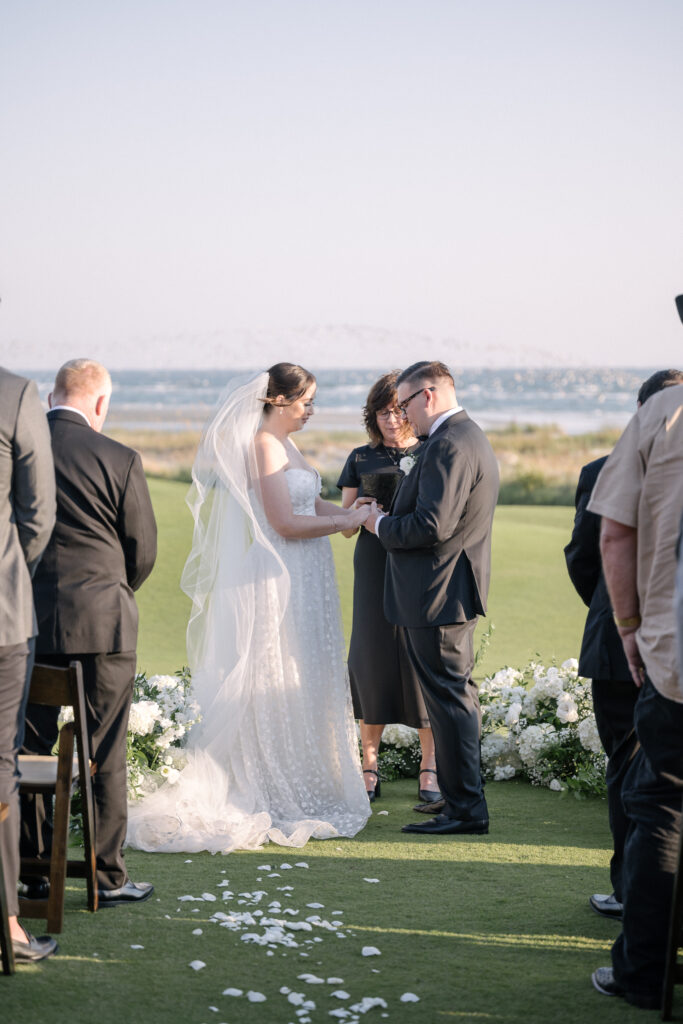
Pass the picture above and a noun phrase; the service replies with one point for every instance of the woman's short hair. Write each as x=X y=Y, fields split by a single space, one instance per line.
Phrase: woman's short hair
x=289 y=380
x=381 y=394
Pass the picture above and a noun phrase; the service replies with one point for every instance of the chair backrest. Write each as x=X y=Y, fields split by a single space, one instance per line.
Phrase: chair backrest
x=58 y=686
x=55 y=686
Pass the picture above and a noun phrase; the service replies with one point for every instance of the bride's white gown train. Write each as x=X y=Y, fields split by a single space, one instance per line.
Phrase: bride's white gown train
x=290 y=770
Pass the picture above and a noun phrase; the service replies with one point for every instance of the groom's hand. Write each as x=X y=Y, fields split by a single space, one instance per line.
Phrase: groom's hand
x=375 y=513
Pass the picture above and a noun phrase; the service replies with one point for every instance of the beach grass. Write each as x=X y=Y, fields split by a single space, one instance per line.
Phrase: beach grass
x=492 y=928
x=532 y=604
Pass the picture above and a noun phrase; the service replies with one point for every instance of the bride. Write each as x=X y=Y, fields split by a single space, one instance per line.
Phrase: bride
x=275 y=755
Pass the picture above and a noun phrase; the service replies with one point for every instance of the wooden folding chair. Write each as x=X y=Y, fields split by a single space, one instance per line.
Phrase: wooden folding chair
x=58 y=777
x=673 y=973
x=5 y=937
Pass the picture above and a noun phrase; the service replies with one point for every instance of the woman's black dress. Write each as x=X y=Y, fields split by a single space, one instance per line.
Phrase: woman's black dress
x=383 y=685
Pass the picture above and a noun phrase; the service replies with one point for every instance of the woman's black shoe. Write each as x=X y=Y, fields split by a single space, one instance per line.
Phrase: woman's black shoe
x=427 y=796
x=373 y=793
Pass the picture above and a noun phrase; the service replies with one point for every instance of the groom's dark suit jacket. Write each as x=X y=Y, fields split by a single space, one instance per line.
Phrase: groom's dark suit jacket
x=439 y=532
x=103 y=545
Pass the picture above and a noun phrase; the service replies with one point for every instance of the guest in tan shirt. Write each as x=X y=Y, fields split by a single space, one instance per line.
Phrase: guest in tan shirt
x=639 y=495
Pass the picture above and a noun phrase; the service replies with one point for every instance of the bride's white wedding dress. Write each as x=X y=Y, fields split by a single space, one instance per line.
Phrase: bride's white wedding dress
x=276 y=755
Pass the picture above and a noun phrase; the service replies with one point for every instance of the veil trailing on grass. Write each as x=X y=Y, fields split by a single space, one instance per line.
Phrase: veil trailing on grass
x=275 y=755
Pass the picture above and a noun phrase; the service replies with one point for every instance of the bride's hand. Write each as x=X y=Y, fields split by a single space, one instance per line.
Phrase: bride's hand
x=357 y=515
x=364 y=501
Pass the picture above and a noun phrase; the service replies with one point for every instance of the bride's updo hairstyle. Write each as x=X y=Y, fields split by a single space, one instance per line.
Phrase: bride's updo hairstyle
x=290 y=381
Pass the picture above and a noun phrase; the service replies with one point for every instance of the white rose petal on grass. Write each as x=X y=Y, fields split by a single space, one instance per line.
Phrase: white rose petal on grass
x=285 y=867
x=341 y=994
x=197 y=965
x=335 y=981
x=368 y=1003
x=382 y=812
x=255 y=997
x=316 y=906
x=209 y=897
x=264 y=867
x=410 y=997
x=311 y=979
x=301 y=864
x=137 y=947
x=189 y=862
x=197 y=931
x=371 y=879
x=233 y=992
x=370 y=951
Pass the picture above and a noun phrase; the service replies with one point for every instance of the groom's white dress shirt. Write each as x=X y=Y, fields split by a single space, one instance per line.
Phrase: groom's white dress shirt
x=435 y=426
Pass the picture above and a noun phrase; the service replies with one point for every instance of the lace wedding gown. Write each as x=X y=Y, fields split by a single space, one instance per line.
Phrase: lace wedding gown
x=290 y=770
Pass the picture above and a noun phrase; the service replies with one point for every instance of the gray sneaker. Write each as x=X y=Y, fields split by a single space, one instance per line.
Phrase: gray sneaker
x=603 y=981
x=606 y=906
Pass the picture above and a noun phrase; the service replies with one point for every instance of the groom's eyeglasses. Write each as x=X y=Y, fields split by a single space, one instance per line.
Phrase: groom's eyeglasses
x=403 y=406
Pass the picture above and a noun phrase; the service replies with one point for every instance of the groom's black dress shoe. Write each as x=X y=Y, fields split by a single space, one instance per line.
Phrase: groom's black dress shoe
x=33 y=949
x=442 y=825
x=131 y=892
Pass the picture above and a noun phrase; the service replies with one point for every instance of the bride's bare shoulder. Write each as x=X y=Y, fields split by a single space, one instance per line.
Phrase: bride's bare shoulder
x=270 y=451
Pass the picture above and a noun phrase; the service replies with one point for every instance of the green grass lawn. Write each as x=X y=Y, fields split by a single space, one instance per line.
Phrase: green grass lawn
x=532 y=604
x=490 y=928
x=494 y=929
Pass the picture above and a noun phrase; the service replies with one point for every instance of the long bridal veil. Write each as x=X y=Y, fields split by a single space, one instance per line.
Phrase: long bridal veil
x=230 y=557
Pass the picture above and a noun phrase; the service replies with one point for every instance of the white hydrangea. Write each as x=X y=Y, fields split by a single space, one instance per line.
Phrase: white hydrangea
x=555 y=785
x=512 y=716
x=533 y=739
x=144 y=714
x=588 y=734
x=399 y=735
x=503 y=771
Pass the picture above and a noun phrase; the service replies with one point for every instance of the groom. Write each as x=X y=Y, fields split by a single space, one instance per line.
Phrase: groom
x=438 y=537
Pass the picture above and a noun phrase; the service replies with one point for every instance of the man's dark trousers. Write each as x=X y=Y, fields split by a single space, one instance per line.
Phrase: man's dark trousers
x=614 y=704
x=443 y=658
x=652 y=795
x=108 y=683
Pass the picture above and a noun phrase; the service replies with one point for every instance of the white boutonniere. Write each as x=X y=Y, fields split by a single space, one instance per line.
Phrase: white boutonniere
x=407 y=463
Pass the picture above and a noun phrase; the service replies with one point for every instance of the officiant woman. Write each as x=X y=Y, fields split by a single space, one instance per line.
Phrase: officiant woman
x=383 y=686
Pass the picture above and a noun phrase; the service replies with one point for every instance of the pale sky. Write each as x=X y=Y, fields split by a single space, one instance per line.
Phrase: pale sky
x=186 y=182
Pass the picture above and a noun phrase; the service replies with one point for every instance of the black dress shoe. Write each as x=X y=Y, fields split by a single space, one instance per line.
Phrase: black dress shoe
x=33 y=949
x=428 y=796
x=442 y=825
x=131 y=892
x=433 y=807
x=38 y=889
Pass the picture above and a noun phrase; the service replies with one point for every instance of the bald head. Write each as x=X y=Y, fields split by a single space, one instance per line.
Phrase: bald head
x=85 y=385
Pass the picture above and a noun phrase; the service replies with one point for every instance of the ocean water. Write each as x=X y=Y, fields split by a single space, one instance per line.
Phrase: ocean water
x=576 y=400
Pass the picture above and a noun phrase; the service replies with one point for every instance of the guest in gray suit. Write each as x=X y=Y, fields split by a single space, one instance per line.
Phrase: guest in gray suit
x=27 y=515
x=438 y=537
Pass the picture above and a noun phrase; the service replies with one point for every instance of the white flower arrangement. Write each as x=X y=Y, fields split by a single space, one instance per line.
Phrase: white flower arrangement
x=161 y=715
x=539 y=724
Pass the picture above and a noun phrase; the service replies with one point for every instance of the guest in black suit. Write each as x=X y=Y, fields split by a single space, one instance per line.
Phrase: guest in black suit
x=602 y=657
x=102 y=549
x=438 y=537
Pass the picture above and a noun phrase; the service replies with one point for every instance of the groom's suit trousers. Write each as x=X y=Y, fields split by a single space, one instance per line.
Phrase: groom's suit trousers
x=443 y=658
